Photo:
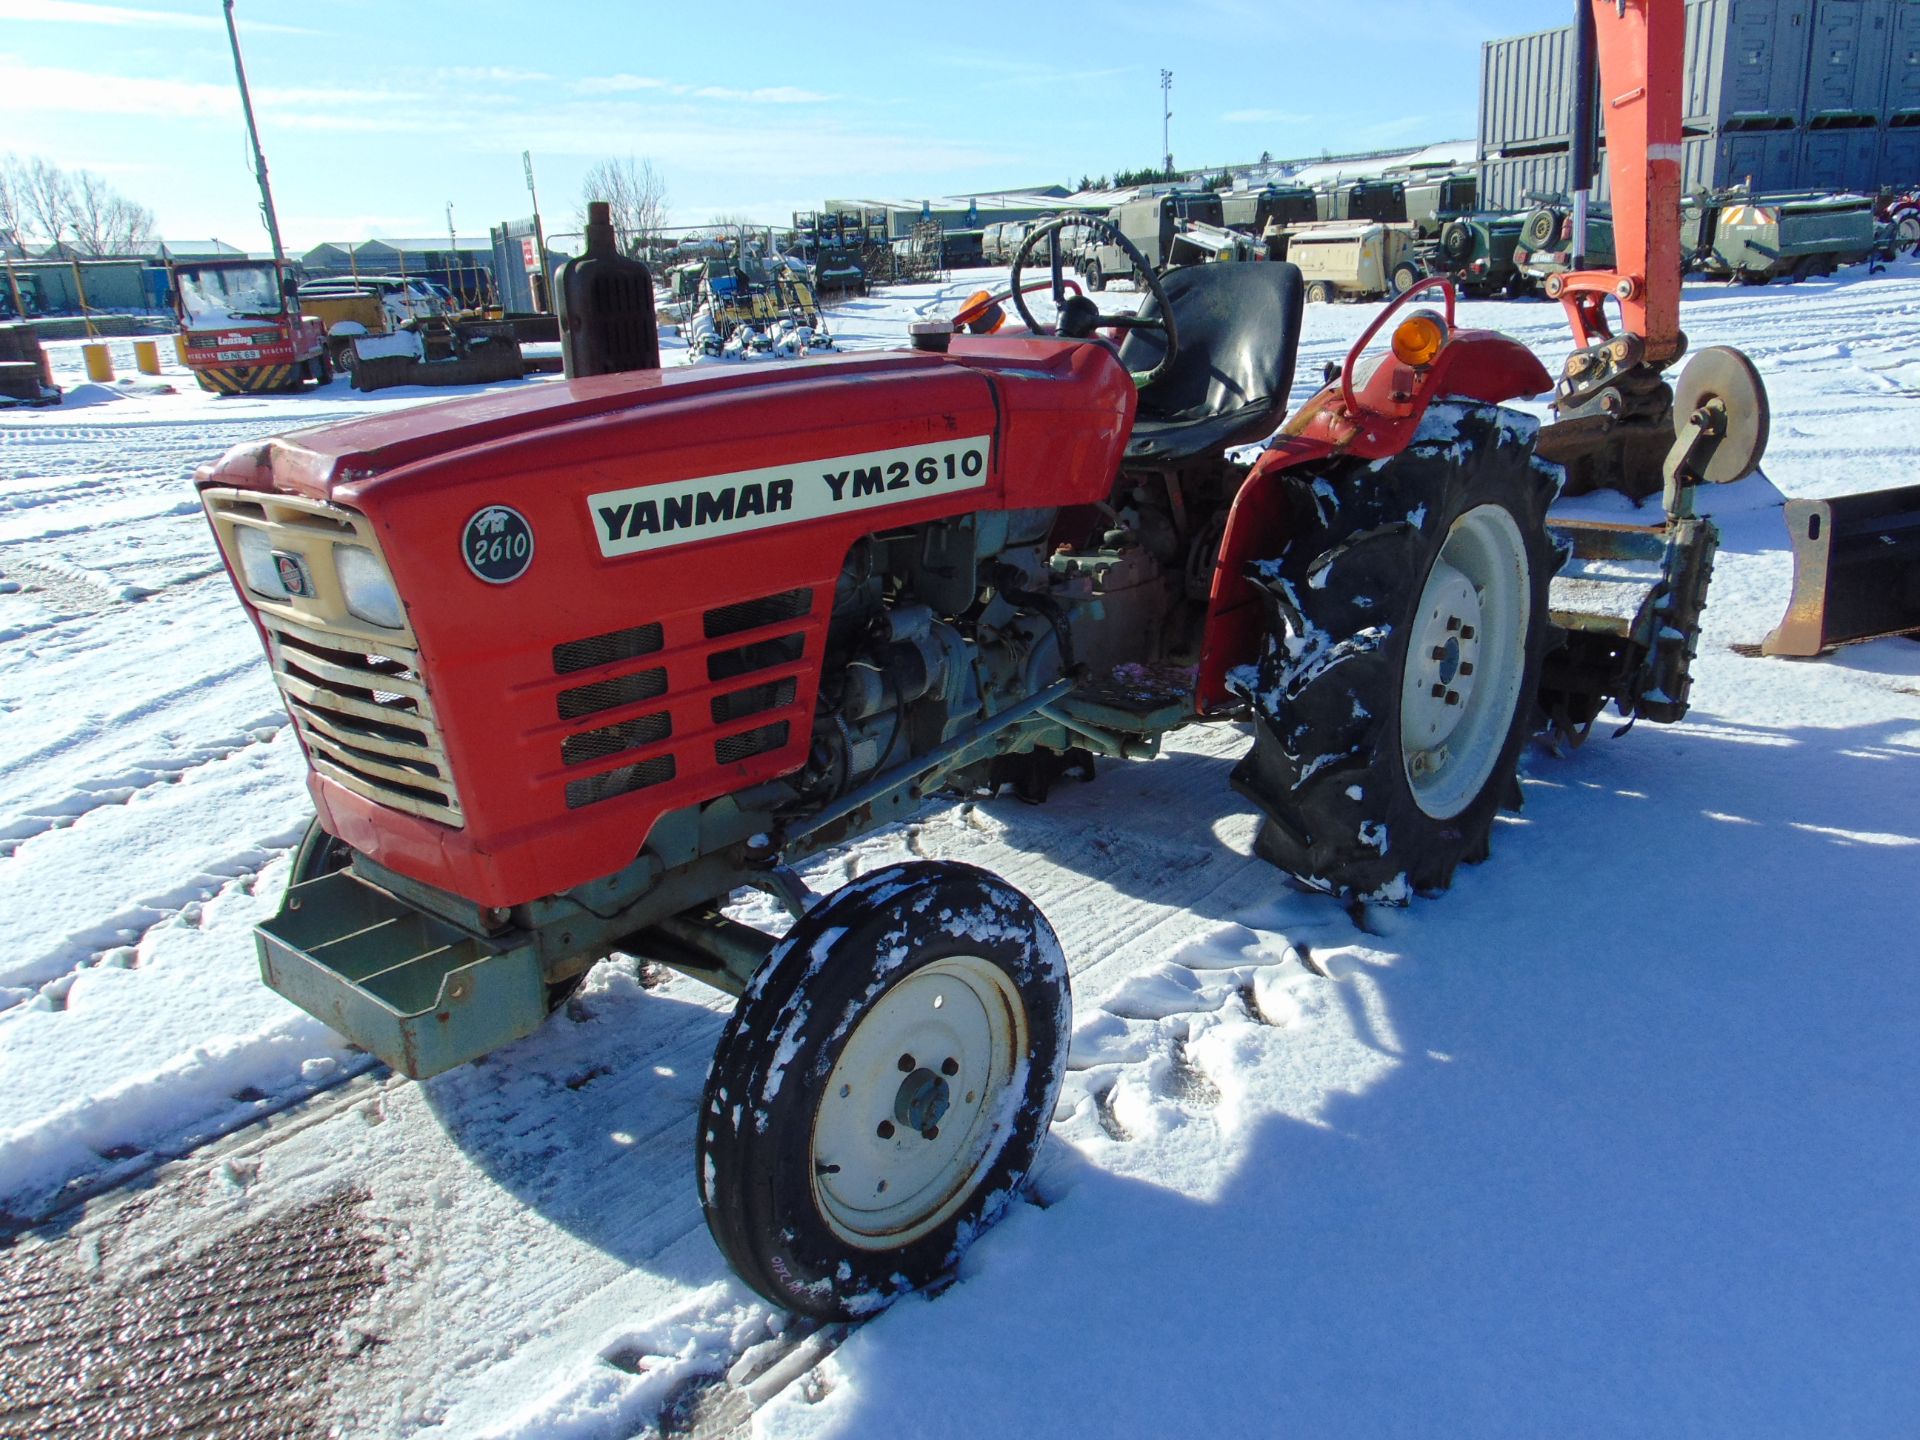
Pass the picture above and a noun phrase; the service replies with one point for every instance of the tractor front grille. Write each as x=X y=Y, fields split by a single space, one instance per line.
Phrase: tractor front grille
x=748 y=743
x=355 y=690
x=755 y=700
x=607 y=649
x=754 y=614
x=652 y=665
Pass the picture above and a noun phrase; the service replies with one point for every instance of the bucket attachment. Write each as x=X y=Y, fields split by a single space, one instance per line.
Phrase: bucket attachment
x=1856 y=571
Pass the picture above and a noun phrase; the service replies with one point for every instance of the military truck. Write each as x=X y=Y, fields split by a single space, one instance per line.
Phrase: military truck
x=1350 y=260
x=1254 y=212
x=1477 y=251
x=1754 y=238
x=1432 y=201
x=1382 y=200
x=1546 y=241
x=1149 y=224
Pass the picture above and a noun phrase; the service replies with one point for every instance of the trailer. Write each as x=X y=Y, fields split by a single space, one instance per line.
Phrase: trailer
x=1757 y=238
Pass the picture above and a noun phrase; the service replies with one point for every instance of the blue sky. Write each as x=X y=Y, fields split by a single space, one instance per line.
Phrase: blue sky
x=375 y=115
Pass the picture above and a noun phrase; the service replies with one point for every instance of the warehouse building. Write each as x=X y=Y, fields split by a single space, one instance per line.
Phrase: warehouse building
x=1781 y=94
x=965 y=213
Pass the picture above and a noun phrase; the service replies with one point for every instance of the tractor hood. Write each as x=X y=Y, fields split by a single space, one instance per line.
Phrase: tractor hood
x=312 y=462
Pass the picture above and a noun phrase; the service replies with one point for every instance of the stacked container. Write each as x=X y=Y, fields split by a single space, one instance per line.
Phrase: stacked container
x=1780 y=94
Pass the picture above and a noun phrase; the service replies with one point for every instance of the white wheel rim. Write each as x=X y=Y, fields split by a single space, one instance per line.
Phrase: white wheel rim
x=1465 y=661
x=897 y=1148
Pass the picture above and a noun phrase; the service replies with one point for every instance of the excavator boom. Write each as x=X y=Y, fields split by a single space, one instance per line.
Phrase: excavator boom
x=1641 y=50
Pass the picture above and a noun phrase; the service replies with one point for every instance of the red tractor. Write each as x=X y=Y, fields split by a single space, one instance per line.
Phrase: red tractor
x=573 y=665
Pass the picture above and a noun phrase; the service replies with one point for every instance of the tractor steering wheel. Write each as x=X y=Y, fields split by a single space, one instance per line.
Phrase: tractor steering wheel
x=1080 y=316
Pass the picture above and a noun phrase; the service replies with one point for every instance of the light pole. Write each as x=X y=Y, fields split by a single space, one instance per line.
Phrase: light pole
x=1166 y=115
x=453 y=256
x=539 y=235
x=259 y=155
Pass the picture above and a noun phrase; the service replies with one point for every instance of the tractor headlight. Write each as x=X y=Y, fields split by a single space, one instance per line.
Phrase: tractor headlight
x=367 y=588
x=257 y=565
x=1418 y=338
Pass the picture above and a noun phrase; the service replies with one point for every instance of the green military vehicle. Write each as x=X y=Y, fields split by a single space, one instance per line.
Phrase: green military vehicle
x=1477 y=251
x=1546 y=241
x=1268 y=211
x=1755 y=238
x=1150 y=224
x=1433 y=201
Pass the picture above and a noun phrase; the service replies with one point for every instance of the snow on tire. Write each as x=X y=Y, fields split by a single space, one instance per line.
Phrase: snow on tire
x=882 y=1087
x=1396 y=688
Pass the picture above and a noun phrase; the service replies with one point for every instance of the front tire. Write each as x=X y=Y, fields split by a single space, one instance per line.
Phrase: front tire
x=1405 y=277
x=1320 y=292
x=882 y=1088
x=1397 y=688
x=1096 y=278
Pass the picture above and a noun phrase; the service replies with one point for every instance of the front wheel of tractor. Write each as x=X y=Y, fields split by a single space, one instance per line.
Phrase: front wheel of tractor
x=1397 y=686
x=882 y=1088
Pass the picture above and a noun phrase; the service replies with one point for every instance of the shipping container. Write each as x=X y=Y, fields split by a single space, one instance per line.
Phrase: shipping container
x=1847 y=64
x=1510 y=184
x=1526 y=90
x=1761 y=159
x=1746 y=58
x=1841 y=157
x=1903 y=60
x=1900 y=150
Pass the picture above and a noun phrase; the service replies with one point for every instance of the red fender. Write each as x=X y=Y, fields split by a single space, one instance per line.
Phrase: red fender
x=1389 y=401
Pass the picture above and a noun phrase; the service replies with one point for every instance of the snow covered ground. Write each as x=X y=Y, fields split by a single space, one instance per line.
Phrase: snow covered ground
x=1616 y=1138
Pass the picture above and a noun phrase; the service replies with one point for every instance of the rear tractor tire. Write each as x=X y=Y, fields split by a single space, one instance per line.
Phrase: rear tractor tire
x=882 y=1088
x=1397 y=686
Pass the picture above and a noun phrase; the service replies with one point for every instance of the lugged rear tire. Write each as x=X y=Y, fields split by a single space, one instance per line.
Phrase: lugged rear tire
x=1368 y=793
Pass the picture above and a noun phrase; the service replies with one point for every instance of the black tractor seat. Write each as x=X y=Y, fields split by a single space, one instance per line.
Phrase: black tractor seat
x=1239 y=330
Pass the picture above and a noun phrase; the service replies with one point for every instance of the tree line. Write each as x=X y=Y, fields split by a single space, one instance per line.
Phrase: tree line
x=76 y=210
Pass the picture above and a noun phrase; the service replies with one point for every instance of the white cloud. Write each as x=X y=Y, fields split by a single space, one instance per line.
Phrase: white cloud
x=71 y=12
x=48 y=89
x=493 y=74
x=618 y=84
x=771 y=95
x=1264 y=117
x=631 y=84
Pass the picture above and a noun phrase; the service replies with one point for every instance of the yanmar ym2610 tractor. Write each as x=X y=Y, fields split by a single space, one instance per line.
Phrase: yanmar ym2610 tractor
x=575 y=663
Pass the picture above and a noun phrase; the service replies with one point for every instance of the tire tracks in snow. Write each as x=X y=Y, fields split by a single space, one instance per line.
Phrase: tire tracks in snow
x=127 y=785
